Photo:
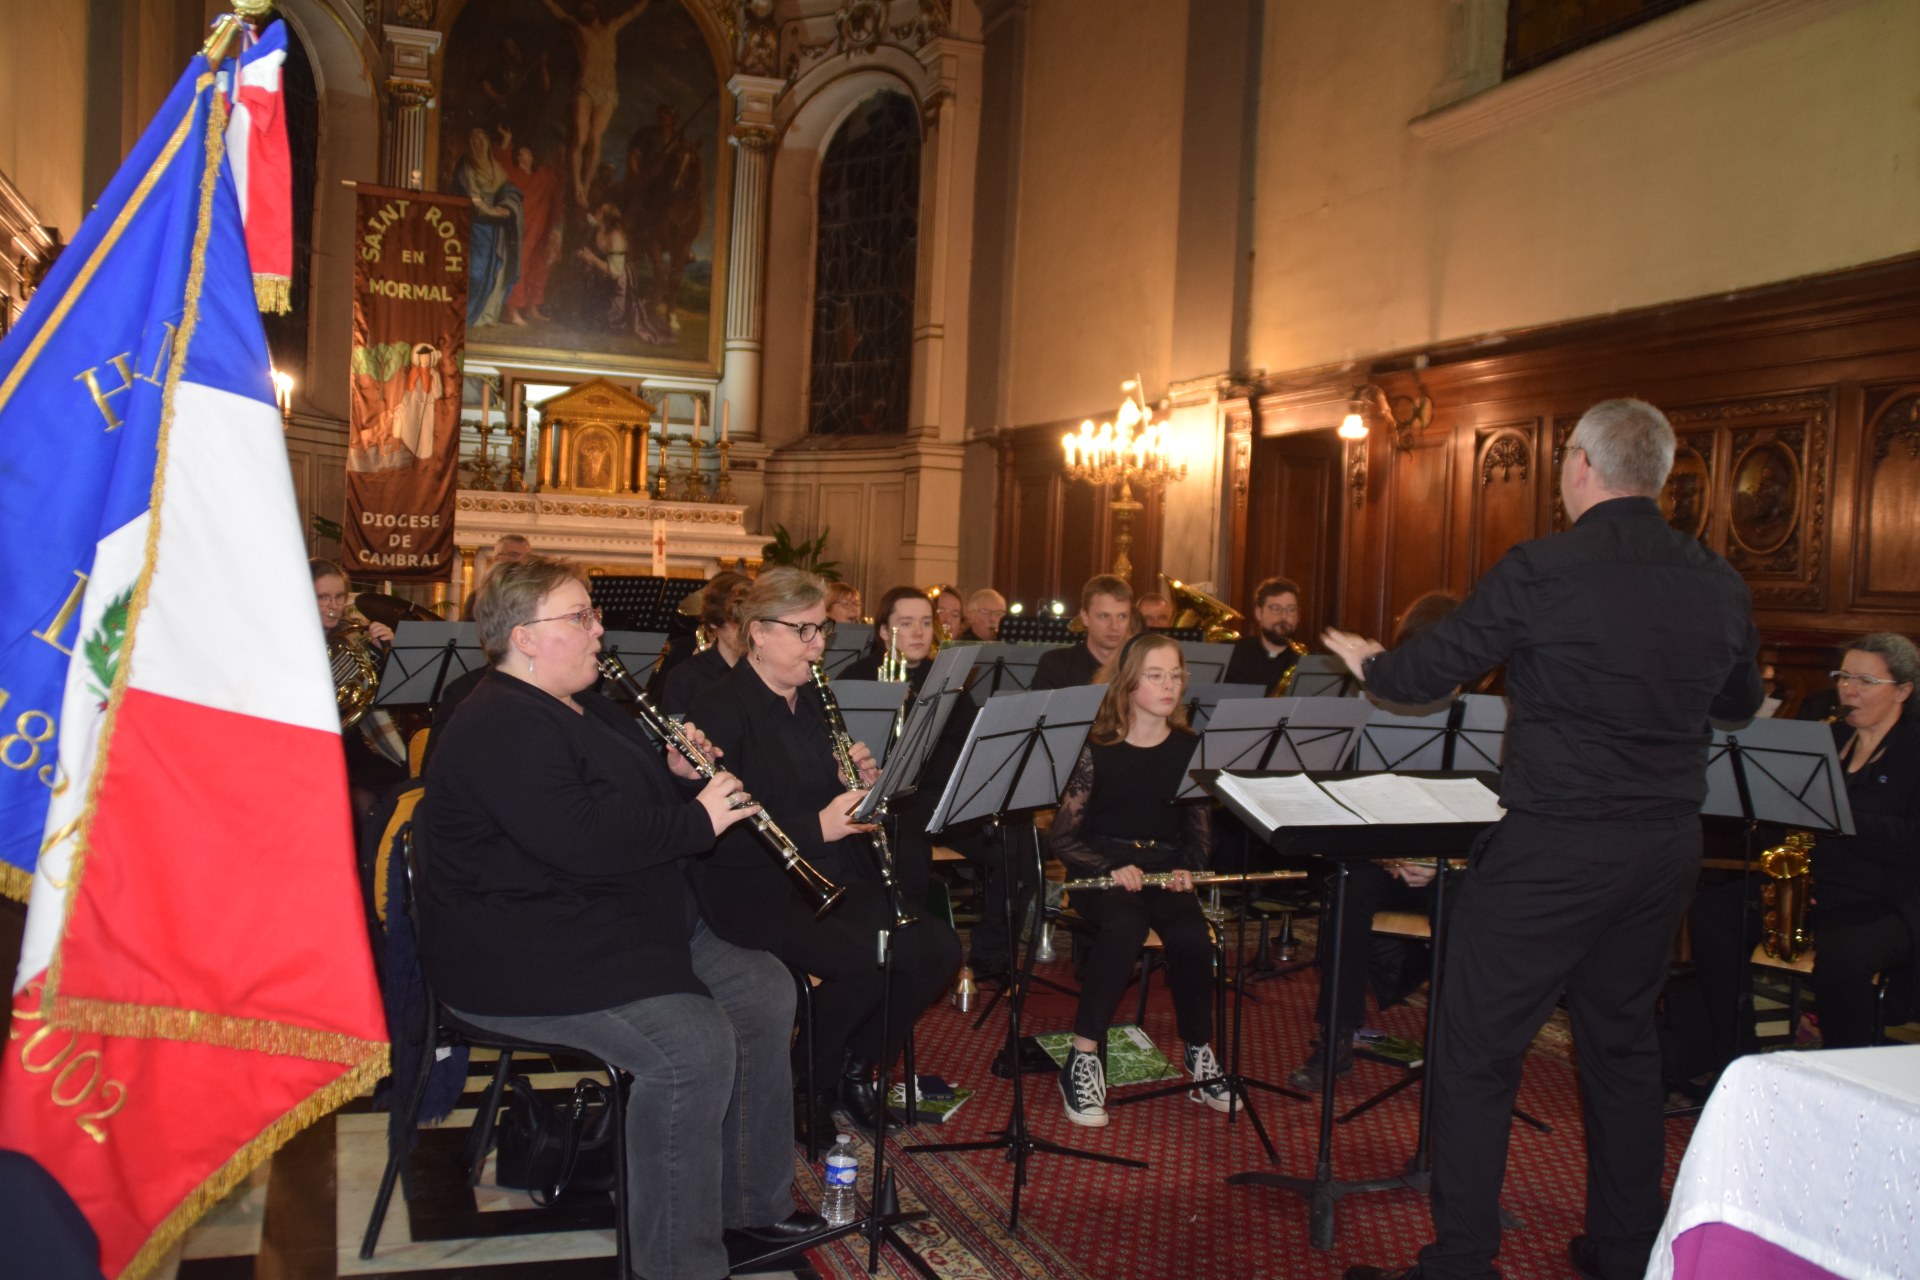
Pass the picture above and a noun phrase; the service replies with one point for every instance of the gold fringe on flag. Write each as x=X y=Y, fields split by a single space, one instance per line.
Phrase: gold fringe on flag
x=223 y=1180
x=198 y=1026
x=15 y=882
x=274 y=294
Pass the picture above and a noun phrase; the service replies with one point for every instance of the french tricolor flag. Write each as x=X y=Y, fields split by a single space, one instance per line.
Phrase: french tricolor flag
x=196 y=985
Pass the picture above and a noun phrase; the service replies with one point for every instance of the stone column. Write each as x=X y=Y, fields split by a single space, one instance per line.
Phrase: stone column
x=410 y=89
x=752 y=140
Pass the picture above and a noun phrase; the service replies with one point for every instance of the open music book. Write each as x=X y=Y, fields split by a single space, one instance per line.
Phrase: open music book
x=1295 y=800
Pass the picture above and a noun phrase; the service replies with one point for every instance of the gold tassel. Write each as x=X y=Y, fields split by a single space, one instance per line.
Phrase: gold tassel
x=244 y=1161
x=196 y=1026
x=15 y=883
x=274 y=294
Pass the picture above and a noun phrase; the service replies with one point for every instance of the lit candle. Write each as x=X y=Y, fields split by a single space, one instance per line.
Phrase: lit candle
x=696 y=423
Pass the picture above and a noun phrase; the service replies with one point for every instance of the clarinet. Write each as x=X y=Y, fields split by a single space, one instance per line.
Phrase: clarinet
x=815 y=887
x=850 y=778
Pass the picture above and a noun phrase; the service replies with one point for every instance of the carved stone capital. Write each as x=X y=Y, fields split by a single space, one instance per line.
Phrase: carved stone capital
x=410 y=52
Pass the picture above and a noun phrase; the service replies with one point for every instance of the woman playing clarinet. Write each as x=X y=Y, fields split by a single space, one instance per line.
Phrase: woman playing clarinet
x=1118 y=819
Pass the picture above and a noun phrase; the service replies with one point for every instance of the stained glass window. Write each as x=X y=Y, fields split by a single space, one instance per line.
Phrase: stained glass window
x=863 y=271
x=1538 y=31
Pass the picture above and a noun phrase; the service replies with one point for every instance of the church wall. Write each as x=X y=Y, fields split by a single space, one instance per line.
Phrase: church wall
x=44 y=56
x=1733 y=143
x=1095 y=242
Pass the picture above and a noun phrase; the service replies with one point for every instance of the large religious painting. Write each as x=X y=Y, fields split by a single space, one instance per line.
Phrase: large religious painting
x=586 y=135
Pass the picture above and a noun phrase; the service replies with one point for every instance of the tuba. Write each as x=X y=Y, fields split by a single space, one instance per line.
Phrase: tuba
x=356 y=673
x=1788 y=887
x=1218 y=621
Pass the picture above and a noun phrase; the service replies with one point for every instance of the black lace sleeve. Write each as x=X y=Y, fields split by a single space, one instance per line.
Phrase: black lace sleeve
x=1196 y=842
x=1066 y=840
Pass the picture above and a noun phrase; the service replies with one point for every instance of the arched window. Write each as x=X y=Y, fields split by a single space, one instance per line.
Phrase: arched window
x=863 y=271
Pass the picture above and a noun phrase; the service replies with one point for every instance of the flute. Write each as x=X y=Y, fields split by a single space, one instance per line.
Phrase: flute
x=1161 y=879
x=817 y=889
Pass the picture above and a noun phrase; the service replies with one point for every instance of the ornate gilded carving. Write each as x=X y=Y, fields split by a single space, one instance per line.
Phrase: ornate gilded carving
x=1357 y=472
x=415 y=13
x=1687 y=498
x=1899 y=423
x=752 y=137
x=1765 y=510
x=684 y=513
x=1507 y=454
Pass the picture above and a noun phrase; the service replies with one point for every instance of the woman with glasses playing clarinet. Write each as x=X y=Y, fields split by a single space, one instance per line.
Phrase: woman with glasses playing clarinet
x=768 y=719
x=1118 y=820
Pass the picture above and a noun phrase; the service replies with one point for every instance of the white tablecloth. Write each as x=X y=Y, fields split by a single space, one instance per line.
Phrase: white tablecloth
x=1818 y=1153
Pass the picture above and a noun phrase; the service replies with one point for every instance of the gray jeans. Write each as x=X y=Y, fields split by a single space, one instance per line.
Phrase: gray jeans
x=702 y=1069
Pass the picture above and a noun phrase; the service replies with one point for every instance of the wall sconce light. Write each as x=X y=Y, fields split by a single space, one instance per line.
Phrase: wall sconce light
x=1409 y=415
x=283 y=396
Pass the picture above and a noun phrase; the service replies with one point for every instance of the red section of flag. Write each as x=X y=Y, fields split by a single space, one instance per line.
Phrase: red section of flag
x=133 y=1128
x=269 y=195
x=219 y=875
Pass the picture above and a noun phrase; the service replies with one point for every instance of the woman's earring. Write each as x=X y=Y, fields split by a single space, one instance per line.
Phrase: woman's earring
x=529 y=666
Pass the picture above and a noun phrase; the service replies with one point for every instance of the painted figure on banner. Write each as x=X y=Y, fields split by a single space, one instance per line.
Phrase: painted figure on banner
x=586 y=134
x=406 y=425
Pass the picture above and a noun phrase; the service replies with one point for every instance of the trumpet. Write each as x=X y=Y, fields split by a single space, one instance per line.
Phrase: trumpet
x=813 y=886
x=850 y=778
x=1161 y=879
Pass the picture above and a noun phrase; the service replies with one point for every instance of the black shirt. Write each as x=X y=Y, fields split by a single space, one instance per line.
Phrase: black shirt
x=1066 y=668
x=1881 y=863
x=1621 y=637
x=686 y=682
x=1119 y=810
x=1252 y=664
x=550 y=842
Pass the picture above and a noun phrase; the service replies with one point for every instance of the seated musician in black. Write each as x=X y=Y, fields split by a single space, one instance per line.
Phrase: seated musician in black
x=1865 y=918
x=766 y=716
x=1268 y=652
x=1118 y=819
x=1106 y=611
x=684 y=684
x=1394 y=965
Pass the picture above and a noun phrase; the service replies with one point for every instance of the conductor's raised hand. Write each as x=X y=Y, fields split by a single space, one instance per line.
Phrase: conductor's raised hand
x=1351 y=649
x=836 y=820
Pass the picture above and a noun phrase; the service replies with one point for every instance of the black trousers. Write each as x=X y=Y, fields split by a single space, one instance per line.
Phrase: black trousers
x=841 y=950
x=1548 y=905
x=1370 y=888
x=1852 y=942
x=1119 y=922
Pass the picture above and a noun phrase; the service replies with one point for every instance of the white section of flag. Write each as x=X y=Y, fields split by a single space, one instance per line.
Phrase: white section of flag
x=230 y=621
x=261 y=73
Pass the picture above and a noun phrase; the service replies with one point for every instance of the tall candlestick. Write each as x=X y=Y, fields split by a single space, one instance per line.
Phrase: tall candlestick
x=696 y=420
x=726 y=414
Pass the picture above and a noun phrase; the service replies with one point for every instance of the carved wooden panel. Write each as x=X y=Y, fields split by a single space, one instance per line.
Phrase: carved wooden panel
x=1294 y=513
x=1419 y=516
x=1770 y=497
x=1563 y=426
x=1503 y=500
x=1889 y=539
x=1687 y=500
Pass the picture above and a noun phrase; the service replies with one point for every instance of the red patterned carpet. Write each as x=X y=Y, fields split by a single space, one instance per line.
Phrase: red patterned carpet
x=1179 y=1218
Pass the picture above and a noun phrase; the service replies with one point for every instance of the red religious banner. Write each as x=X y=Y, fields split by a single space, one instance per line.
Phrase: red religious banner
x=409 y=338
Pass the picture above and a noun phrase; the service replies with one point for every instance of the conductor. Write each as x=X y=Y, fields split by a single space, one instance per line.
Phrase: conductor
x=1622 y=637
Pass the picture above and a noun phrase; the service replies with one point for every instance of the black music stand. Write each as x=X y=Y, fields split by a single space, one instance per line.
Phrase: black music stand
x=869 y=708
x=640 y=602
x=1006 y=668
x=1321 y=675
x=850 y=640
x=1037 y=628
x=1206 y=663
x=1786 y=772
x=1203 y=699
x=1341 y=844
x=424 y=659
x=1018 y=757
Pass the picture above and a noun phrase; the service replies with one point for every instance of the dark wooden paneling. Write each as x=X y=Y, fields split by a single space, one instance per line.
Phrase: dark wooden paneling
x=1419 y=523
x=1053 y=534
x=1504 y=502
x=1889 y=543
x=1294 y=514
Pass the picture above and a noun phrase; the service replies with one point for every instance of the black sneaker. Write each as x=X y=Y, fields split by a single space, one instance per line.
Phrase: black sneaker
x=1208 y=1087
x=1309 y=1075
x=1083 y=1087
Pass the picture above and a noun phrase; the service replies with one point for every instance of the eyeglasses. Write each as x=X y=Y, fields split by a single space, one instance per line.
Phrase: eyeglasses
x=1161 y=679
x=1848 y=677
x=581 y=618
x=806 y=630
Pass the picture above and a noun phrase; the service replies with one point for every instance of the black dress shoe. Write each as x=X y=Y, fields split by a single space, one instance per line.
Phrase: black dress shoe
x=860 y=1096
x=797 y=1225
x=1383 y=1273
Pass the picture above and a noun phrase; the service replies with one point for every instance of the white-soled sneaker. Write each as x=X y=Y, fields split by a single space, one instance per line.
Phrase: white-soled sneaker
x=1204 y=1069
x=1083 y=1087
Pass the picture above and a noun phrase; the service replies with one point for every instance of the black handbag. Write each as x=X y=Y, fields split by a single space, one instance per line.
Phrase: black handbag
x=548 y=1150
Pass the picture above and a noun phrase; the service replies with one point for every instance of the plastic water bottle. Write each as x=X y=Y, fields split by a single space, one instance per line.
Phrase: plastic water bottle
x=843 y=1171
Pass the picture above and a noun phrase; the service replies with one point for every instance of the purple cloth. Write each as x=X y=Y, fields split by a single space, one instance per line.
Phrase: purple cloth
x=1716 y=1249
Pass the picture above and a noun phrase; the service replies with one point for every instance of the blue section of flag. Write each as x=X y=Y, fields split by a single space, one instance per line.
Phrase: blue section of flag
x=81 y=394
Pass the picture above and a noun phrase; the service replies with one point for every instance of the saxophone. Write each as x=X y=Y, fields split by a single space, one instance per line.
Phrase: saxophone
x=850 y=779
x=1784 y=896
x=1284 y=684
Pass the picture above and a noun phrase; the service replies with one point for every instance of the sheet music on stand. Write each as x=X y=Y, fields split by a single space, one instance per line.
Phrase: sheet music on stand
x=926 y=719
x=1206 y=663
x=850 y=640
x=1321 y=675
x=1201 y=699
x=425 y=658
x=868 y=707
x=998 y=774
x=1477 y=721
x=1789 y=770
x=1292 y=734
x=1006 y=667
x=637 y=651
